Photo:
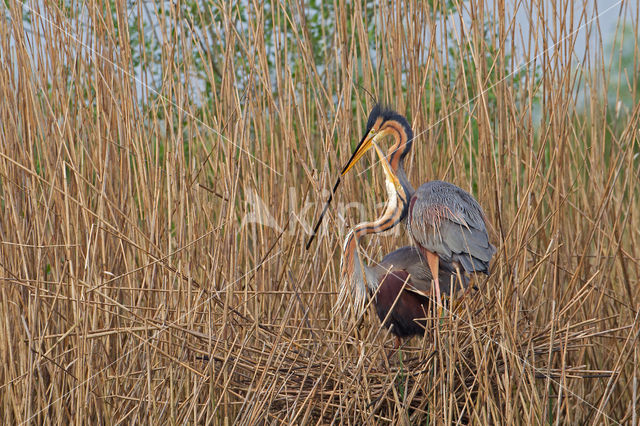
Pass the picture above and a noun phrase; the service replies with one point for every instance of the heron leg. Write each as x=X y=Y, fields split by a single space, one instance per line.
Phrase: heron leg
x=434 y=262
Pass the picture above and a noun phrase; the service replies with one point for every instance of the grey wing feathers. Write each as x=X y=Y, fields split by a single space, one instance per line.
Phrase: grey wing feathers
x=448 y=221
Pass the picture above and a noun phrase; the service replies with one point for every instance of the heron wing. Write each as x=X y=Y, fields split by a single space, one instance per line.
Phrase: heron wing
x=410 y=260
x=448 y=221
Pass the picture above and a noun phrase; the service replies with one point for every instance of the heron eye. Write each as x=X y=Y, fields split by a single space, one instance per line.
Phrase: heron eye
x=373 y=131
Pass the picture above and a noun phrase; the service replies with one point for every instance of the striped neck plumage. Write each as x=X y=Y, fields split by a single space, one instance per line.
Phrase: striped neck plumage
x=389 y=218
x=403 y=136
x=356 y=278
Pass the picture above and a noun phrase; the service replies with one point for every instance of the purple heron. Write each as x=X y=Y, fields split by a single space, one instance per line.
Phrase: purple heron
x=446 y=223
x=401 y=283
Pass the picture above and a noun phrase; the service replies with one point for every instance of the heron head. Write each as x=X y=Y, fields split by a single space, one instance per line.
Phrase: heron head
x=382 y=122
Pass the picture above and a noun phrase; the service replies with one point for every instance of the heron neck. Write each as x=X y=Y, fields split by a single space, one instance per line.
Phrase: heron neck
x=358 y=272
x=396 y=155
x=361 y=275
x=404 y=181
x=391 y=217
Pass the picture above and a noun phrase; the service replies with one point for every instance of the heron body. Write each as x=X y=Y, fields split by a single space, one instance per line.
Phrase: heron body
x=399 y=308
x=445 y=222
x=405 y=316
x=401 y=284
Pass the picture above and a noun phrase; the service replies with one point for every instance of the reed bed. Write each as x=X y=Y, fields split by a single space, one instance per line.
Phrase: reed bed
x=161 y=165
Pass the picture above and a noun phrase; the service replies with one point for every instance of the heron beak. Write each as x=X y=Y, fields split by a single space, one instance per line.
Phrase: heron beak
x=364 y=146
